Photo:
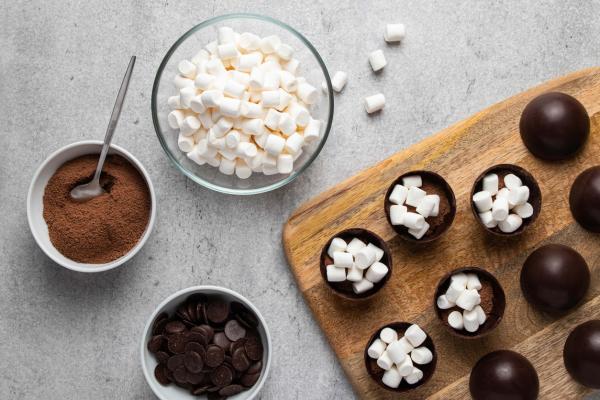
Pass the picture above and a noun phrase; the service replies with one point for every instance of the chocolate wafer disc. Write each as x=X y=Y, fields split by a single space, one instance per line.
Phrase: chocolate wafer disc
x=156 y=343
x=231 y=390
x=193 y=362
x=214 y=356
x=221 y=376
x=160 y=373
x=175 y=362
x=174 y=327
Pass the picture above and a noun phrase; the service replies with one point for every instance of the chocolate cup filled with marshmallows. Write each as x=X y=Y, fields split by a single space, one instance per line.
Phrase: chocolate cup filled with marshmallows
x=432 y=184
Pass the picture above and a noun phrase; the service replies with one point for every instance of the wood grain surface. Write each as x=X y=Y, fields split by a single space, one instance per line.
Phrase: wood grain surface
x=459 y=153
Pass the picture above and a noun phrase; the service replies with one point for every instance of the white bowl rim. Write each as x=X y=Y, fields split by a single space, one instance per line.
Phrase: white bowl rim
x=83 y=267
x=151 y=380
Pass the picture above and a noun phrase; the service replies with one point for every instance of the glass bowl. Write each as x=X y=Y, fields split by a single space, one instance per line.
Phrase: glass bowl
x=311 y=67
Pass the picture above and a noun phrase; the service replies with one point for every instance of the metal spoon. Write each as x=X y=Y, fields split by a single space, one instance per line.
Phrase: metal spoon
x=92 y=189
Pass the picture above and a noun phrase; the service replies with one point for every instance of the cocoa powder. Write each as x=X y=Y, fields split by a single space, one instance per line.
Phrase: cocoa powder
x=103 y=228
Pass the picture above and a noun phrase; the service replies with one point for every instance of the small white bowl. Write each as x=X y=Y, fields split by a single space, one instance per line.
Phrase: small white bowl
x=35 y=203
x=173 y=392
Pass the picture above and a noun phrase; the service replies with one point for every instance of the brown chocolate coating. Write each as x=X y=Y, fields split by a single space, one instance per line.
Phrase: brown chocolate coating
x=554 y=126
x=582 y=354
x=504 y=375
x=585 y=199
x=555 y=278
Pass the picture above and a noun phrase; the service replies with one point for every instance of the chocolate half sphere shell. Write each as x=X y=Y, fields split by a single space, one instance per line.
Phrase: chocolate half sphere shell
x=555 y=278
x=582 y=354
x=584 y=199
x=504 y=375
x=554 y=126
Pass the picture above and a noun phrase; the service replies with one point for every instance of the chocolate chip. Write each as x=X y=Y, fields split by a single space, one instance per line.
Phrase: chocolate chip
x=239 y=360
x=217 y=311
x=210 y=332
x=221 y=376
x=159 y=324
x=254 y=348
x=162 y=357
x=193 y=362
x=198 y=337
x=254 y=368
x=231 y=390
x=197 y=347
x=174 y=327
x=160 y=373
x=221 y=340
x=214 y=356
x=176 y=343
x=175 y=362
x=249 y=380
x=180 y=375
x=234 y=331
x=195 y=378
x=156 y=343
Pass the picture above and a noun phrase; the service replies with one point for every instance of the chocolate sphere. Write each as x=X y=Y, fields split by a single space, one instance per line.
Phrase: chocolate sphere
x=554 y=126
x=555 y=278
x=582 y=354
x=504 y=375
x=585 y=199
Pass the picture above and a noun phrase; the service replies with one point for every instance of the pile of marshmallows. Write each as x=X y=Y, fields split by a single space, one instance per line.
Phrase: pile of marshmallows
x=409 y=193
x=241 y=107
x=398 y=356
x=505 y=208
x=356 y=262
x=463 y=292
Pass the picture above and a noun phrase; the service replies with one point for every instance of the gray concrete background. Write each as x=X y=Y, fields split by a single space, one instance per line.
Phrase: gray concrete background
x=73 y=336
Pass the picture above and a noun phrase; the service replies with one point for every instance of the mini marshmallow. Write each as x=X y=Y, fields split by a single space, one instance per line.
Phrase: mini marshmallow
x=211 y=98
x=374 y=103
x=186 y=95
x=414 y=196
x=500 y=209
x=270 y=98
x=339 y=80
x=249 y=62
x=225 y=34
x=490 y=184
x=337 y=244
x=271 y=80
x=454 y=291
x=312 y=130
x=473 y=282
x=413 y=220
x=425 y=207
x=293 y=144
x=470 y=321
x=272 y=119
x=455 y=320
x=206 y=119
x=392 y=378
x=461 y=279
x=343 y=259
x=269 y=44
x=483 y=201
x=284 y=100
x=181 y=82
x=197 y=106
x=378 y=252
x=397 y=214
x=185 y=143
x=421 y=355
x=415 y=335
x=287 y=126
x=292 y=65
x=405 y=367
x=335 y=273
x=269 y=170
x=511 y=181
x=436 y=204
x=249 y=41
x=175 y=118
x=524 y=210
x=415 y=376
x=488 y=220
x=257 y=79
x=204 y=81
x=307 y=93
x=510 y=224
x=227 y=51
x=285 y=163
x=418 y=233
x=388 y=335
x=518 y=196
x=234 y=89
x=355 y=245
x=221 y=128
x=255 y=127
x=174 y=103
x=227 y=166
x=376 y=272
x=396 y=352
x=355 y=274
x=398 y=195
x=300 y=114
x=251 y=110
x=405 y=345
x=443 y=303
x=412 y=180
x=192 y=155
x=377 y=60
x=364 y=258
x=285 y=51
x=242 y=170
x=204 y=150
x=232 y=139
x=215 y=67
x=376 y=348
x=274 y=145
x=362 y=286
x=468 y=299
x=190 y=125
x=504 y=192
x=288 y=81
x=481 y=317
x=394 y=32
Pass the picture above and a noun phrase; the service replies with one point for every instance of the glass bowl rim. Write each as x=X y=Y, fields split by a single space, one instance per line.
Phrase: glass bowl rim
x=193 y=176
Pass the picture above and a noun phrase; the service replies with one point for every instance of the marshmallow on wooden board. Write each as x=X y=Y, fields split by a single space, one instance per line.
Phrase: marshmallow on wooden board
x=488 y=219
x=473 y=282
x=364 y=258
x=481 y=317
x=483 y=201
x=388 y=335
x=355 y=245
x=511 y=181
x=185 y=143
x=421 y=355
x=414 y=196
x=285 y=163
x=524 y=210
x=426 y=206
x=412 y=180
x=377 y=60
x=468 y=299
x=394 y=32
x=470 y=321
x=376 y=272
x=398 y=195
x=355 y=274
x=413 y=221
x=510 y=224
x=418 y=233
x=518 y=196
x=455 y=320
x=415 y=335
x=415 y=376
x=443 y=303
x=362 y=286
x=339 y=80
x=376 y=348
x=335 y=273
x=337 y=244
x=405 y=367
x=343 y=259
x=397 y=214
x=396 y=352
x=378 y=252
x=374 y=103
x=490 y=184
x=392 y=378
x=500 y=209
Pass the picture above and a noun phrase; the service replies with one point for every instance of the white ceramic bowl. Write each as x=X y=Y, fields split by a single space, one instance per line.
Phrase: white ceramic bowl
x=173 y=392
x=35 y=203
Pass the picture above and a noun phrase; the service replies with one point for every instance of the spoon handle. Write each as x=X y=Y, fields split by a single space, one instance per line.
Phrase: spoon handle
x=114 y=117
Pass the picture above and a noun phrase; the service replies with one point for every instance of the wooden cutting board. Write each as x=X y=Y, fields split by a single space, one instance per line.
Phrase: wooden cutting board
x=458 y=153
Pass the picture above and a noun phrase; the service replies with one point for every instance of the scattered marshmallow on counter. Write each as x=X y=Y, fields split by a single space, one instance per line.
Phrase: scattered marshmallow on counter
x=411 y=194
x=357 y=262
x=463 y=293
x=394 y=32
x=242 y=108
x=374 y=103
x=503 y=208
x=398 y=355
x=377 y=60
